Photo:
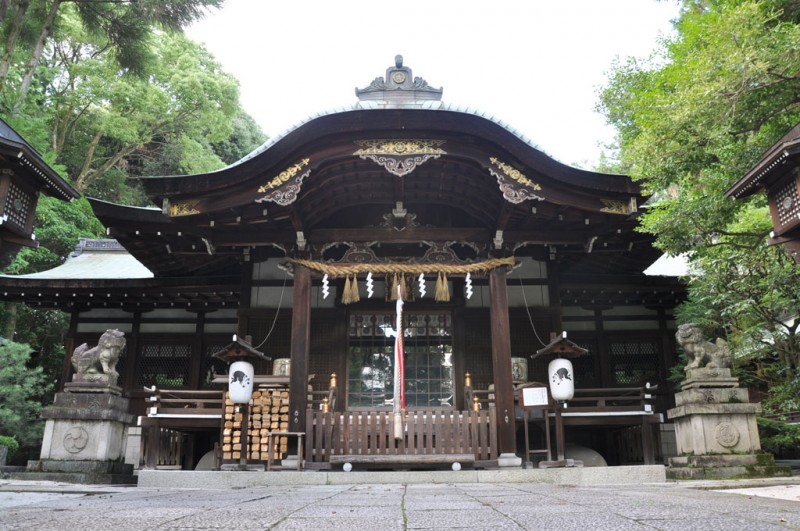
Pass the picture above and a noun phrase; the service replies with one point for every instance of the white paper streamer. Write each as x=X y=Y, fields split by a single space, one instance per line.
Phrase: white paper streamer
x=325 y=289
x=422 y=285
x=370 y=291
x=468 y=286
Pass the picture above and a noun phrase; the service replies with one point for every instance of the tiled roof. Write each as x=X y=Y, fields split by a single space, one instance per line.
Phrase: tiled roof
x=94 y=259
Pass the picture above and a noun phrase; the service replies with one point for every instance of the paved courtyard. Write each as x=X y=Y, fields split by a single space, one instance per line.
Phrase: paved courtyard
x=398 y=507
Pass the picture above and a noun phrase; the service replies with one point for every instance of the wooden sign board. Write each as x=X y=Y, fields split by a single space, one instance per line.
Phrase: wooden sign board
x=535 y=396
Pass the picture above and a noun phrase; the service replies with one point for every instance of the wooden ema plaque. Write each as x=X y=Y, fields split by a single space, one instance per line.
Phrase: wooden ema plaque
x=269 y=412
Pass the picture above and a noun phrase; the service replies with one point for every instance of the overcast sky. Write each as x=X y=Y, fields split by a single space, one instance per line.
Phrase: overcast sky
x=535 y=64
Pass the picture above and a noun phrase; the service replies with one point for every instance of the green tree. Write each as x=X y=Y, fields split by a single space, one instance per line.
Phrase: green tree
x=126 y=26
x=245 y=137
x=691 y=120
x=21 y=386
x=102 y=118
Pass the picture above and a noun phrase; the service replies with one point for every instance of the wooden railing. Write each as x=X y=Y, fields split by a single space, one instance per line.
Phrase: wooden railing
x=628 y=410
x=424 y=432
x=180 y=403
x=620 y=400
x=169 y=414
x=162 y=448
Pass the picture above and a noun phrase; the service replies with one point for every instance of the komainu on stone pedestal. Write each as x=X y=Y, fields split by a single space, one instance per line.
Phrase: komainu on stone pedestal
x=98 y=365
x=84 y=436
x=702 y=353
x=715 y=423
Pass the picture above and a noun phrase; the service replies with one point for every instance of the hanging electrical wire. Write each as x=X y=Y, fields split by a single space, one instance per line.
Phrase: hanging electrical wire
x=528 y=310
x=275 y=320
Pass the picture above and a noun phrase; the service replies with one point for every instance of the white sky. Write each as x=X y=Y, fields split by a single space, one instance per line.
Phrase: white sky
x=535 y=64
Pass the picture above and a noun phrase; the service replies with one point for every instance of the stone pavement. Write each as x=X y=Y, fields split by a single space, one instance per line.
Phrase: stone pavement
x=518 y=506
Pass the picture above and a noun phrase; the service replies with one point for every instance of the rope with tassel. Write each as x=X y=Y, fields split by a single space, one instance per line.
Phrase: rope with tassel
x=342 y=270
x=396 y=274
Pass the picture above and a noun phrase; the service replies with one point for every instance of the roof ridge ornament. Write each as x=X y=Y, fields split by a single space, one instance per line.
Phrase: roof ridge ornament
x=399 y=86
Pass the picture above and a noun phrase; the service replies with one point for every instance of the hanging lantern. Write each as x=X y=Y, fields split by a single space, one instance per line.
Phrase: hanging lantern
x=240 y=383
x=562 y=380
x=241 y=372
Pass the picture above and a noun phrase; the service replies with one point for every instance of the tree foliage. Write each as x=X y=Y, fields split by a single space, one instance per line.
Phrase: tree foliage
x=186 y=100
x=691 y=120
x=107 y=91
x=125 y=26
x=21 y=387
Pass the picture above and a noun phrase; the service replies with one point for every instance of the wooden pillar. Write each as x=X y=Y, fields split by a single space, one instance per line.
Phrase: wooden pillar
x=69 y=346
x=130 y=380
x=301 y=322
x=501 y=362
x=245 y=289
x=603 y=354
x=152 y=435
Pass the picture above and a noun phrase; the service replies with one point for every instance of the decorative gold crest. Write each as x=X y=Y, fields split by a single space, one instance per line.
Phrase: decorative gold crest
x=186 y=208
x=400 y=147
x=615 y=206
x=284 y=176
x=400 y=157
x=515 y=174
x=515 y=187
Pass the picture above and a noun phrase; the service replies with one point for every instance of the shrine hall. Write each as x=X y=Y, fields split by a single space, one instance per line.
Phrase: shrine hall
x=300 y=249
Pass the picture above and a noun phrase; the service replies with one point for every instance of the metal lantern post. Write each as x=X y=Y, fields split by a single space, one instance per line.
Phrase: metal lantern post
x=241 y=374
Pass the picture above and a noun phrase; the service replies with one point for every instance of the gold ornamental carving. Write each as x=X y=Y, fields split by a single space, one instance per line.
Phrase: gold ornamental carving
x=615 y=206
x=515 y=174
x=284 y=176
x=399 y=157
x=187 y=208
x=514 y=185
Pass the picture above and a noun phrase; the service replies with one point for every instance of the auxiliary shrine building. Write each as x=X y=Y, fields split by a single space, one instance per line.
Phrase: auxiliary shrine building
x=497 y=247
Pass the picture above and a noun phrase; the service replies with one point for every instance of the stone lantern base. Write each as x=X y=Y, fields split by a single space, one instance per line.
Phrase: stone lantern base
x=716 y=431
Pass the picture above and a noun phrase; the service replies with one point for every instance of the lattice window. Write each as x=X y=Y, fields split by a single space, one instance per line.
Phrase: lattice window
x=165 y=364
x=634 y=361
x=213 y=366
x=428 y=360
x=18 y=206
x=584 y=367
x=787 y=204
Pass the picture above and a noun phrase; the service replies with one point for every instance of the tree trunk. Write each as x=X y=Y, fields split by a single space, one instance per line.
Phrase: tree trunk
x=35 y=57
x=11 y=321
x=11 y=41
x=82 y=182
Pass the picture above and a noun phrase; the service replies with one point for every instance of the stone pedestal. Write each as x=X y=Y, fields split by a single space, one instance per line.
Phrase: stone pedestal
x=716 y=431
x=508 y=460
x=84 y=436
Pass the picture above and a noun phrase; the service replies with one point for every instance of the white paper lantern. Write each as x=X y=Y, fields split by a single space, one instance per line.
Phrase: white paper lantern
x=240 y=382
x=562 y=379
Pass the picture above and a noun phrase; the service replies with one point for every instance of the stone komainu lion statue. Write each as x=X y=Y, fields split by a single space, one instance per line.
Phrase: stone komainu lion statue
x=702 y=353
x=101 y=359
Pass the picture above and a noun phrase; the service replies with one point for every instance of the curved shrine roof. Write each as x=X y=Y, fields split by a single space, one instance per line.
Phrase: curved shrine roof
x=397 y=168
